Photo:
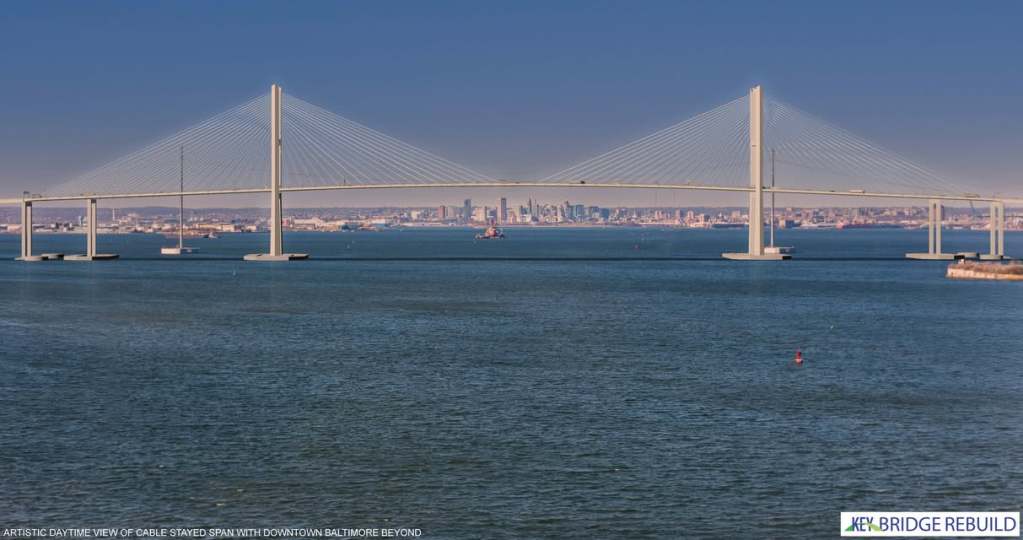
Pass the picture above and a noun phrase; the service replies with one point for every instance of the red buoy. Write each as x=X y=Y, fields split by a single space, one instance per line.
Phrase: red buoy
x=799 y=357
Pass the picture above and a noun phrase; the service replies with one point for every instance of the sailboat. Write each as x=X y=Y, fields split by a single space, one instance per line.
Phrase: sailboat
x=180 y=248
x=773 y=249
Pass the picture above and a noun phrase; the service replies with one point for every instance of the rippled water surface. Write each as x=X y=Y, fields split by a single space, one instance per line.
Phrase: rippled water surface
x=559 y=383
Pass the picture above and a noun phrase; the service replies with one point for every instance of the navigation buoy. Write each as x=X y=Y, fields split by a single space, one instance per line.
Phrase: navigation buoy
x=799 y=357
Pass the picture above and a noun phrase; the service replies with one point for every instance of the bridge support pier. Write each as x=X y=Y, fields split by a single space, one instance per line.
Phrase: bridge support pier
x=276 y=253
x=26 y=234
x=755 y=250
x=934 y=221
x=90 y=238
x=996 y=250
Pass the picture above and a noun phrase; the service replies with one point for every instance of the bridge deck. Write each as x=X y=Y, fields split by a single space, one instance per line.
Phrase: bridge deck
x=515 y=184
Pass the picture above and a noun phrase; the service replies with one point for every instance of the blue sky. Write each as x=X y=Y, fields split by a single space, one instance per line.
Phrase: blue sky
x=512 y=89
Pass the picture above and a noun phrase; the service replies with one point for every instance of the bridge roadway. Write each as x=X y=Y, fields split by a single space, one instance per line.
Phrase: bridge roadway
x=518 y=184
x=934 y=251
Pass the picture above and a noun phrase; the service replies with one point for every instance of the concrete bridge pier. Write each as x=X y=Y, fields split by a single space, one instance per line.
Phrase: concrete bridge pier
x=276 y=253
x=26 y=234
x=90 y=238
x=90 y=241
x=996 y=250
x=26 y=230
x=755 y=250
x=1001 y=229
x=934 y=220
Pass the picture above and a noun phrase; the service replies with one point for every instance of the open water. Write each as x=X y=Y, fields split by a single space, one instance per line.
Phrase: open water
x=583 y=383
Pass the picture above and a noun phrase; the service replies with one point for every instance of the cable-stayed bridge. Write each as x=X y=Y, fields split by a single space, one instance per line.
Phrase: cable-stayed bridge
x=276 y=145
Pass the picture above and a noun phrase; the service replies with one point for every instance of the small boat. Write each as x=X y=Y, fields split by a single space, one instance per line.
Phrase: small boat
x=180 y=249
x=492 y=233
x=177 y=250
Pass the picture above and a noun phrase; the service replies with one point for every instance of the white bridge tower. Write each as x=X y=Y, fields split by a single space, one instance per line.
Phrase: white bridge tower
x=755 y=249
x=276 y=253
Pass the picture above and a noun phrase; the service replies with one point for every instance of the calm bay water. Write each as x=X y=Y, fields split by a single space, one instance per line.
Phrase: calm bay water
x=571 y=393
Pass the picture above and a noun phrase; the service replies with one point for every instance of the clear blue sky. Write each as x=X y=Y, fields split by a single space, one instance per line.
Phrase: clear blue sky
x=512 y=89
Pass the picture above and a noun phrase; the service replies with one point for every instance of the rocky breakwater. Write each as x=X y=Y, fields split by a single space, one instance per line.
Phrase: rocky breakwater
x=977 y=270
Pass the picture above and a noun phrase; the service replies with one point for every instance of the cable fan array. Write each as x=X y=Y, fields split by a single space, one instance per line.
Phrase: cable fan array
x=232 y=151
x=710 y=148
x=323 y=149
x=814 y=154
x=713 y=149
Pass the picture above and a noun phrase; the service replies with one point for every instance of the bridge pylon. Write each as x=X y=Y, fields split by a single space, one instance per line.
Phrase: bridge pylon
x=755 y=250
x=276 y=224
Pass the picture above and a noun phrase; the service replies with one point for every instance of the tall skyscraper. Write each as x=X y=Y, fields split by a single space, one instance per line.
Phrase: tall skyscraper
x=467 y=211
x=502 y=211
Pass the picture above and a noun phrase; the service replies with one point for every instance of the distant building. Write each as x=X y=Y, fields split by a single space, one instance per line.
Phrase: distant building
x=578 y=212
x=479 y=215
x=502 y=211
x=467 y=211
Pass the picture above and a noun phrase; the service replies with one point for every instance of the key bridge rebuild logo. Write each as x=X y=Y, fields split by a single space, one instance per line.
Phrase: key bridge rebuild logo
x=931 y=524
